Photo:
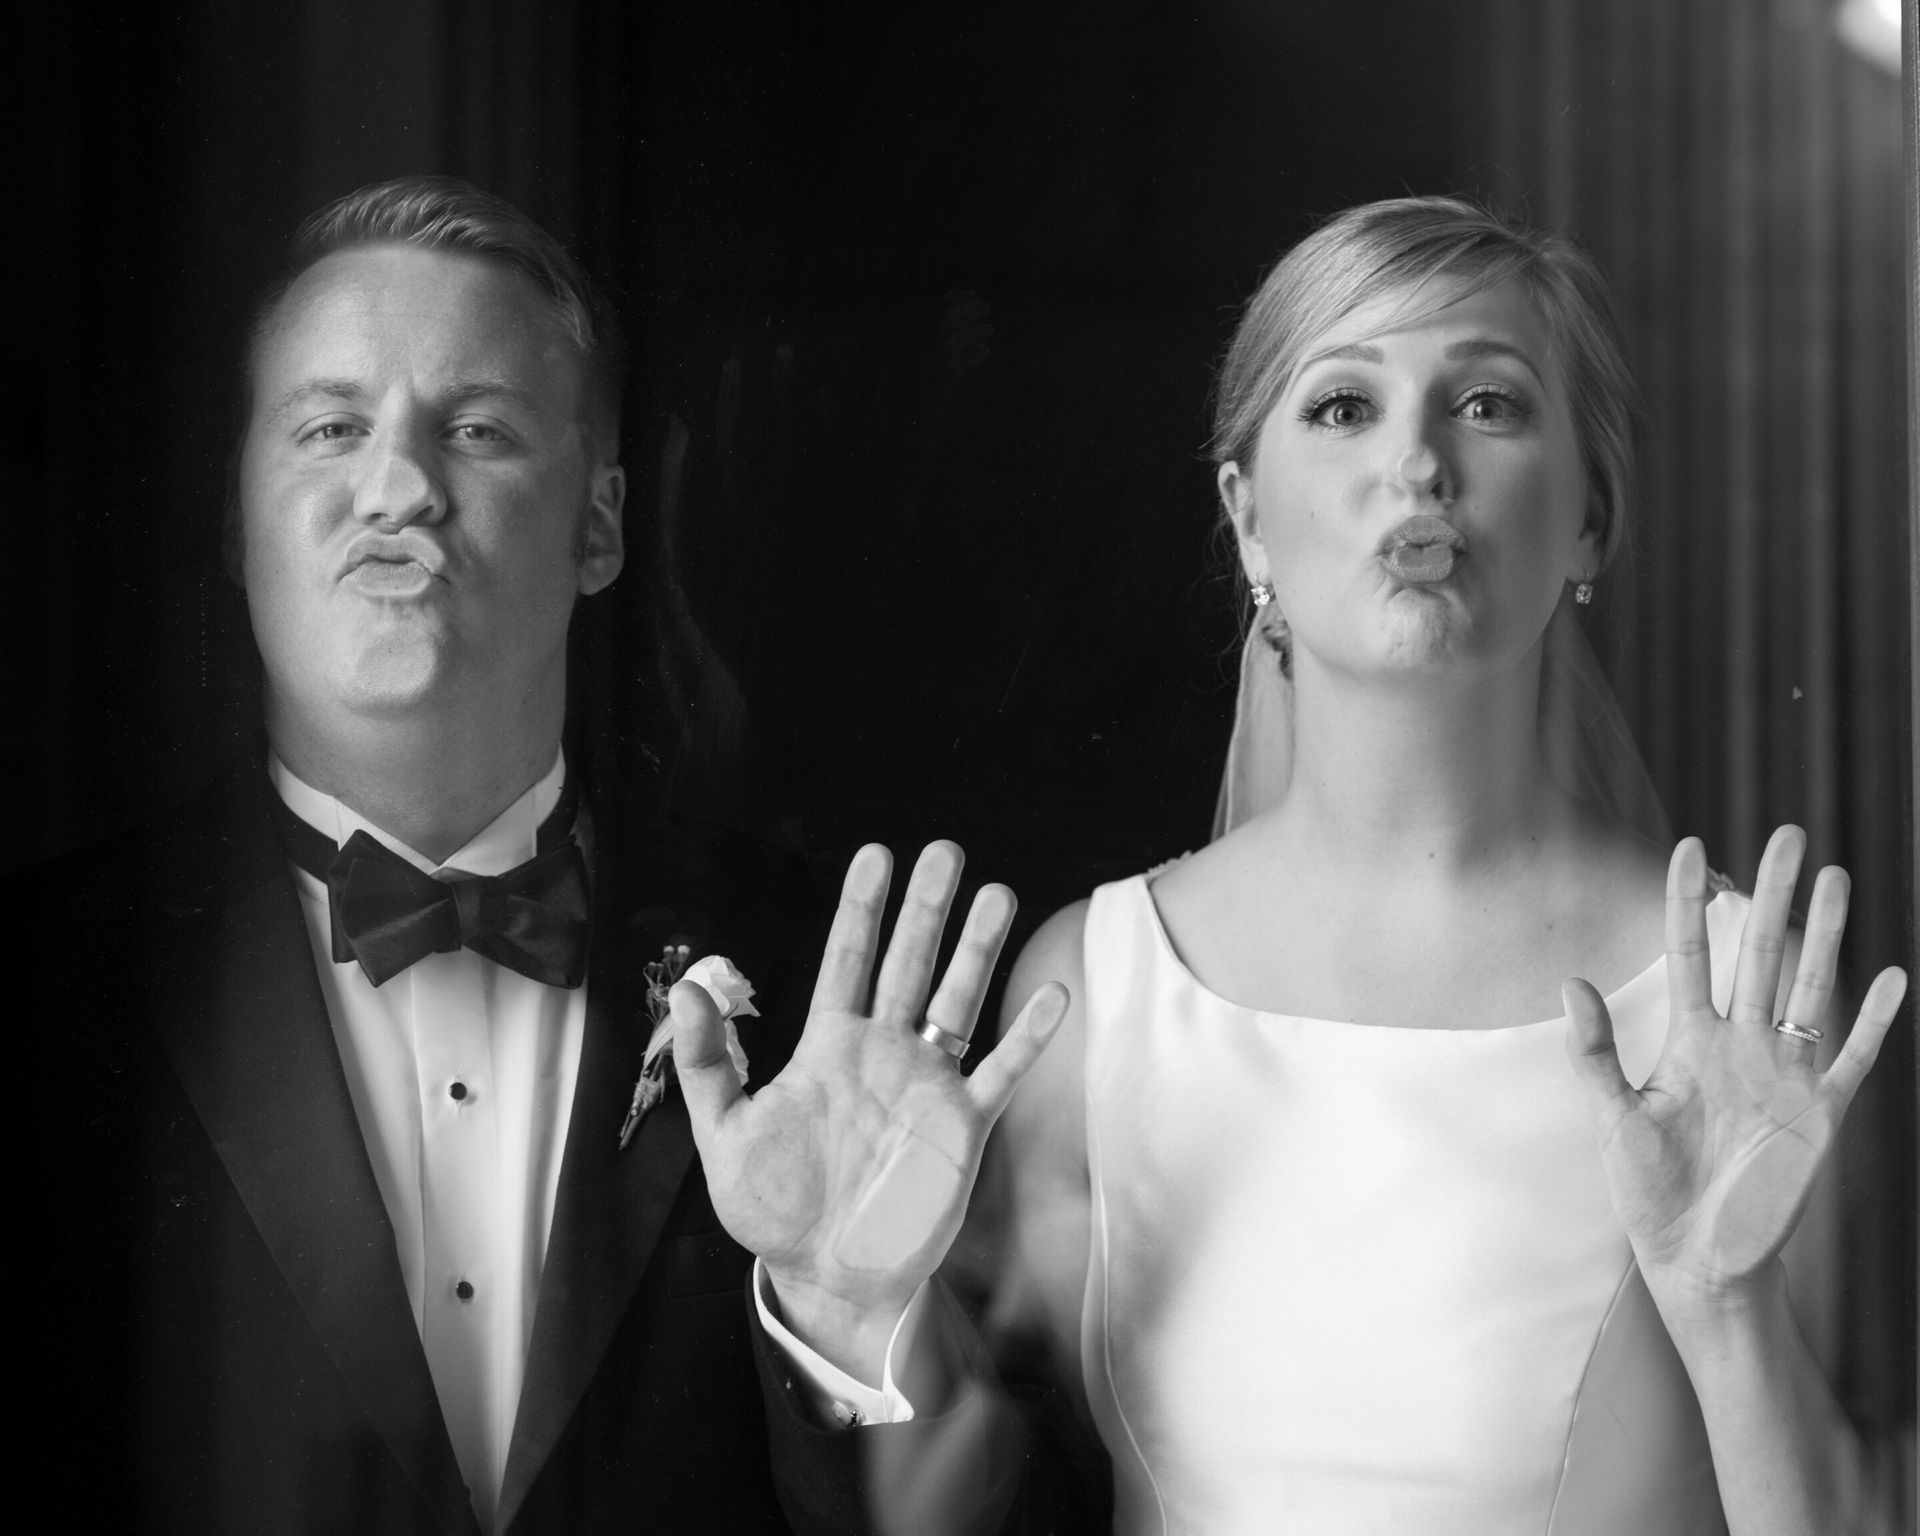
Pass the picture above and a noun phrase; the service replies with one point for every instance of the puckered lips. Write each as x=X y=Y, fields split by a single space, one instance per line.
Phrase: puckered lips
x=402 y=564
x=1423 y=550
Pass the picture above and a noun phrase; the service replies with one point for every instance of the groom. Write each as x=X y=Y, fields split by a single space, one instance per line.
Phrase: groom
x=346 y=1223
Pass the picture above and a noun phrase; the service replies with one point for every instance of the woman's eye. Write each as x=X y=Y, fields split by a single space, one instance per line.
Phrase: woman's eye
x=1338 y=411
x=1491 y=405
x=332 y=431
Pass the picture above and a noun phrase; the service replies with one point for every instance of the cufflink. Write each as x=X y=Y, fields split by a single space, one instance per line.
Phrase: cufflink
x=846 y=1415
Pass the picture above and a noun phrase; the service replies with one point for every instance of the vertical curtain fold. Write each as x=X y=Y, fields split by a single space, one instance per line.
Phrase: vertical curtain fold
x=1738 y=171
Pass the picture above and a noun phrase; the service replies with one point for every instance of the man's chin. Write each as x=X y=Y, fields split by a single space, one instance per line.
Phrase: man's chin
x=394 y=682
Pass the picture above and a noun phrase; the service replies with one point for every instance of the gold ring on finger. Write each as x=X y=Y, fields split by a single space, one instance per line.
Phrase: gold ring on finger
x=954 y=1045
x=1801 y=1032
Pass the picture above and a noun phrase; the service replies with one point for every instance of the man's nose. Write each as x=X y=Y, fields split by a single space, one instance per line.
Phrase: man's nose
x=398 y=482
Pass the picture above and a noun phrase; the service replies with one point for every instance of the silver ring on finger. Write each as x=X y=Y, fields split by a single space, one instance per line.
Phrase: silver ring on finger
x=1801 y=1032
x=954 y=1045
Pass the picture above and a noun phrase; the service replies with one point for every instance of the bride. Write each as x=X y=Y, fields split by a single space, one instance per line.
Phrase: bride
x=1347 y=1209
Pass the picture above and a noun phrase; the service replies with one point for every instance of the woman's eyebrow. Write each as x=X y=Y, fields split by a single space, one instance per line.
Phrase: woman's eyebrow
x=1486 y=346
x=1353 y=351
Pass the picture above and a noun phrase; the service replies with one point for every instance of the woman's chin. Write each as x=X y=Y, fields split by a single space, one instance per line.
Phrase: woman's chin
x=1416 y=634
x=1424 y=627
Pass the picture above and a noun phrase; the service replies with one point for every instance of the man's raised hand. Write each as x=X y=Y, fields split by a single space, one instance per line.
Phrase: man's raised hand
x=849 y=1173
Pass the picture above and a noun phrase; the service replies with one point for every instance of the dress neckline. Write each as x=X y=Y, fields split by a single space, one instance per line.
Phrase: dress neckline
x=1165 y=940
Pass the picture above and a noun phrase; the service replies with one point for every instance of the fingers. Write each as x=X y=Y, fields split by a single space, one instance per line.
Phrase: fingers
x=956 y=1006
x=907 y=971
x=1869 y=1029
x=1756 y=976
x=1591 y=1049
x=854 y=939
x=996 y=1077
x=700 y=1057
x=1810 y=1002
x=1689 y=962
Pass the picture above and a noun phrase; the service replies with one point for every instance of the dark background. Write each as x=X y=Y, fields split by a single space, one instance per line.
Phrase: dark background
x=923 y=320
x=924 y=308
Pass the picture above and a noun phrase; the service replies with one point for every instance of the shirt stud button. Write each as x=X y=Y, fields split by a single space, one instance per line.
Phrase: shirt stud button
x=464 y=1290
x=457 y=1092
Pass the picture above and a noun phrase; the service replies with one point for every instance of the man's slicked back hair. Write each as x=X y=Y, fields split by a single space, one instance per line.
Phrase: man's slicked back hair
x=443 y=213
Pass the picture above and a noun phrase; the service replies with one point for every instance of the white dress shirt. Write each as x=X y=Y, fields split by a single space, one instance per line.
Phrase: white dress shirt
x=462 y=1075
x=835 y=1396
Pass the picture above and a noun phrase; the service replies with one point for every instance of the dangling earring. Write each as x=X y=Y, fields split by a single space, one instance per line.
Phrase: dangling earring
x=1271 y=627
x=1583 y=592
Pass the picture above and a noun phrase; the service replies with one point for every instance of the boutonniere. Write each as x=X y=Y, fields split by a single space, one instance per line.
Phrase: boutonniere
x=732 y=994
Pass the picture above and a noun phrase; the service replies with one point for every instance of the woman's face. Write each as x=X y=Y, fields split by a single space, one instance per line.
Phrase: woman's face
x=1417 y=498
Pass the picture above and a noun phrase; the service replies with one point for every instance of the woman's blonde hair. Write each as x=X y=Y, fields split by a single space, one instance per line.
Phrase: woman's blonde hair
x=1436 y=250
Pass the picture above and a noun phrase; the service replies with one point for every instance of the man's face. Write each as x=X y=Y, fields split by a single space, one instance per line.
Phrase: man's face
x=418 y=503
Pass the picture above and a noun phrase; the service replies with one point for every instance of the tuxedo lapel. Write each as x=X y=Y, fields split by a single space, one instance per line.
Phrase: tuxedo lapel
x=247 y=1033
x=609 y=1209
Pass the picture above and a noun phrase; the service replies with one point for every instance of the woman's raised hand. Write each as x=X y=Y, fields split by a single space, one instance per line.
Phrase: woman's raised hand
x=849 y=1173
x=1710 y=1163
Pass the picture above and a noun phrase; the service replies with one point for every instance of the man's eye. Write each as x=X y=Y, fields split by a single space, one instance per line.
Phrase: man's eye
x=332 y=431
x=478 y=432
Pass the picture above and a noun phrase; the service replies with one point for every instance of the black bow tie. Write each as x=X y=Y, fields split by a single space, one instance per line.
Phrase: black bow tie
x=387 y=913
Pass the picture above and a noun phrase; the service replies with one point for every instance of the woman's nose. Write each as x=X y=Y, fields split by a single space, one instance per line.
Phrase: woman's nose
x=1422 y=465
x=398 y=484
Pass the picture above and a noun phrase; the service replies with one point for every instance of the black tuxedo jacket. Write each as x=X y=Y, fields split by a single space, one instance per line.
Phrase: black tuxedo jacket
x=221 y=1340
x=231 y=1346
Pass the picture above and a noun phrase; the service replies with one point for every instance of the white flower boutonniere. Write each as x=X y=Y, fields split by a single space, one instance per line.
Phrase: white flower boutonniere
x=732 y=994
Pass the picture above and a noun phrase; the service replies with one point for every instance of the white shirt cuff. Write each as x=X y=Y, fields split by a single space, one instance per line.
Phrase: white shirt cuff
x=835 y=1395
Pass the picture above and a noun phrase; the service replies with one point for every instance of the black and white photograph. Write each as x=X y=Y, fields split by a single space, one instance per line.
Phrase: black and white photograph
x=1032 y=770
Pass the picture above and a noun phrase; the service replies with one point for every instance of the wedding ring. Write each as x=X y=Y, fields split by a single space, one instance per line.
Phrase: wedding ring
x=949 y=1042
x=1801 y=1032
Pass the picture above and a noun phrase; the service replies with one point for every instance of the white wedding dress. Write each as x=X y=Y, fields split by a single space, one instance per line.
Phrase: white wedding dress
x=1365 y=1279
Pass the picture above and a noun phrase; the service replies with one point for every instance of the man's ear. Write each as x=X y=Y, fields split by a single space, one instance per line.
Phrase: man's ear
x=601 y=548
x=1236 y=500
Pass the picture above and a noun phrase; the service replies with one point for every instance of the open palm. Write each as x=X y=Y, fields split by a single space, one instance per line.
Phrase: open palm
x=1711 y=1162
x=849 y=1173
